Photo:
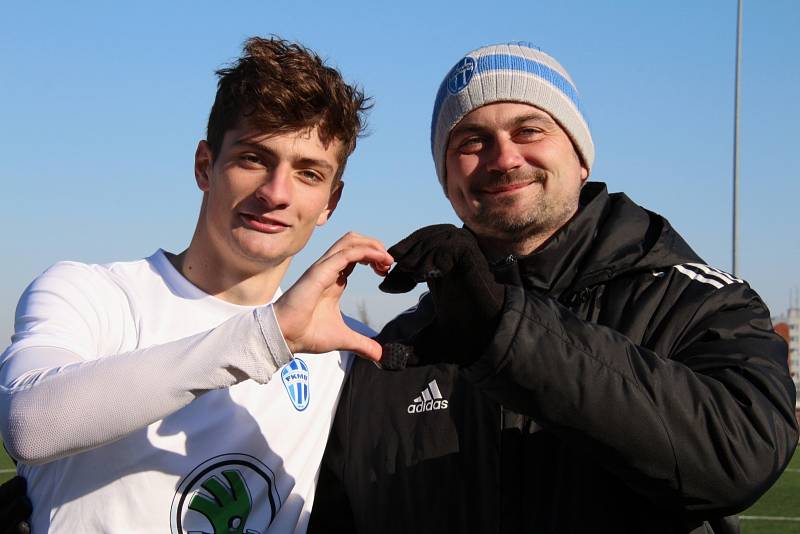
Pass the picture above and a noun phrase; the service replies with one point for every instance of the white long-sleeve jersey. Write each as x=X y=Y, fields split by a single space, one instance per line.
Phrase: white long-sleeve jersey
x=138 y=403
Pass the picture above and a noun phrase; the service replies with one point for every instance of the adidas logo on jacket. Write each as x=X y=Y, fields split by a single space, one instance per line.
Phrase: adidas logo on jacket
x=430 y=399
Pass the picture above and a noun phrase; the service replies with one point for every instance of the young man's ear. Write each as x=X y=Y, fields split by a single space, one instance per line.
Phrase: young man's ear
x=203 y=161
x=333 y=201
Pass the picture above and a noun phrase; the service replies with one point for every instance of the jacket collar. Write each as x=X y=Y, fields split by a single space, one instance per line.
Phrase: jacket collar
x=609 y=235
x=555 y=265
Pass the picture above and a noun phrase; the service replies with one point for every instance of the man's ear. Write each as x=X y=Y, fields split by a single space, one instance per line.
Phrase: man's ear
x=584 y=174
x=333 y=201
x=203 y=161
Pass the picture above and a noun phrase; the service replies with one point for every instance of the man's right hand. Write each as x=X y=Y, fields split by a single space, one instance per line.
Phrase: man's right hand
x=308 y=313
x=15 y=507
x=466 y=298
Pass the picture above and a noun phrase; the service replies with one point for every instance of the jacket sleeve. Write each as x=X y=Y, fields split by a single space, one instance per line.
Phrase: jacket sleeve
x=708 y=426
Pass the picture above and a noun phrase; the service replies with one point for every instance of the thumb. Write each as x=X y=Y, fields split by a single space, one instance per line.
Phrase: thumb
x=397 y=281
x=364 y=347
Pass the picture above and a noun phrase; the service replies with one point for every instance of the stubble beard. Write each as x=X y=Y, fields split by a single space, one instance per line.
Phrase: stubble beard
x=505 y=219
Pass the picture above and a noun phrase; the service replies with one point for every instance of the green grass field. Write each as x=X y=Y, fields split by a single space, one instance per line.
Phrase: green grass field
x=782 y=501
x=6 y=466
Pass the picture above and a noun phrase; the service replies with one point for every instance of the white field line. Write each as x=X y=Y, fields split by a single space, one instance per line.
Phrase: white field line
x=2 y=471
x=768 y=518
x=792 y=470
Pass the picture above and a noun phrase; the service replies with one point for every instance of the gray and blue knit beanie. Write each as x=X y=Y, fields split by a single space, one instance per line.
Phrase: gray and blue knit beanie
x=513 y=72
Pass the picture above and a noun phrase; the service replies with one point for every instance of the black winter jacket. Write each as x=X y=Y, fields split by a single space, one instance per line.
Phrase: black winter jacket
x=629 y=388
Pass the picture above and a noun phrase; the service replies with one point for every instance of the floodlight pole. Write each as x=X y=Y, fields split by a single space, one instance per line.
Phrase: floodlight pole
x=735 y=261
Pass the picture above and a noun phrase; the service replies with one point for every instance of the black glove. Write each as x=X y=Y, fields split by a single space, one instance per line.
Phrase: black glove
x=466 y=299
x=15 y=507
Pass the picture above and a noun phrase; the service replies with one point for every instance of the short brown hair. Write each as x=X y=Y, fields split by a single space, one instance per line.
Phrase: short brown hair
x=280 y=87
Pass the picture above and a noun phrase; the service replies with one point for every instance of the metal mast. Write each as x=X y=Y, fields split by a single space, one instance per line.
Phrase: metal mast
x=735 y=261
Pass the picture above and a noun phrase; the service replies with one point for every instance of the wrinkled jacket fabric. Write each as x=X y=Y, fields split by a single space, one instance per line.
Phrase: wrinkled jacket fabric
x=629 y=388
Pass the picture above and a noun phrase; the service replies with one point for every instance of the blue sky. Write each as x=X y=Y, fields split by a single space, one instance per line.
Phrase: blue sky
x=102 y=104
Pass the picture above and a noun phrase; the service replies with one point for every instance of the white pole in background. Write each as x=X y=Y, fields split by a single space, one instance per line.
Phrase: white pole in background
x=735 y=261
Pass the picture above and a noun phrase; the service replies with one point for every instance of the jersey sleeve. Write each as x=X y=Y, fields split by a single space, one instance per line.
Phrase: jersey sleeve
x=65 y=387
x=69 y=306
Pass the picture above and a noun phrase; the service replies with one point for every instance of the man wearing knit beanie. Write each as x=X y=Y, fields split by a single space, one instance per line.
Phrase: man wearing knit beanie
x=576 y=367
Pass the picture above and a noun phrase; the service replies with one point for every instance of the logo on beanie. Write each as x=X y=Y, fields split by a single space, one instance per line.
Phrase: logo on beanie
x=460 y=75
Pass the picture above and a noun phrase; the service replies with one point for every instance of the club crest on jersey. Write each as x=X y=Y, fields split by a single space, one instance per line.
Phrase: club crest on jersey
x=230 y=493
x=460 y=75
x=295 y=377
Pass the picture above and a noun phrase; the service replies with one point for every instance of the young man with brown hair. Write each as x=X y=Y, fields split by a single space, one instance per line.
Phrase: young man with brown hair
x=168 y=393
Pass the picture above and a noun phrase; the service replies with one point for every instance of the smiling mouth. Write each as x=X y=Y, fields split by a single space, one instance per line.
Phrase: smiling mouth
x=263 y=224
x=504 y=188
